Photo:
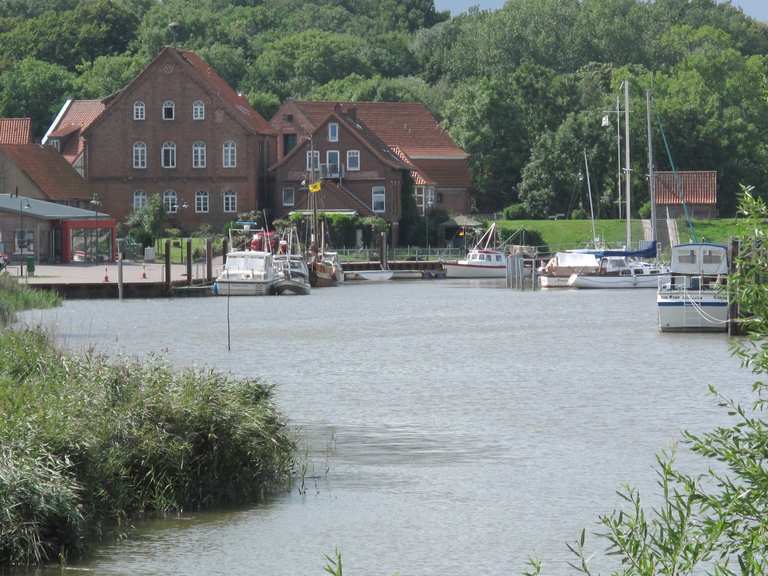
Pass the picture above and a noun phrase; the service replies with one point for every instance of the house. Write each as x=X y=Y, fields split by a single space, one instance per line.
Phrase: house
x=51 y=232
x=368 y=143
x=15 y=130
x=177 y=130
x=698 y=190
x=37 y=171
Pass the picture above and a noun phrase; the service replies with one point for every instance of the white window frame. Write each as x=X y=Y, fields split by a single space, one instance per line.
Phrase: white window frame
x=353 y=154
x=316 y=154
x=140 y=155
x=328 y=154
x=139 y=199
x=381 y=193
x=202 y=202
x=198 y=110
x=230 y=201
x=170 y=104
x=333 y=131
x=229 y=154
x=139 y=110
x=171 y=147
x=198 y=154
x=292 y=191
x=170 y=201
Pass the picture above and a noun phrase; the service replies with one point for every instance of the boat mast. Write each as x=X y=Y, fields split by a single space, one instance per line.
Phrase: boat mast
x=591 y=207
x=618 y=149
x=626 y=162
x=651 y=181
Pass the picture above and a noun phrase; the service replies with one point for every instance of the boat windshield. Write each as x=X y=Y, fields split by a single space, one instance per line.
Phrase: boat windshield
x=239 y=263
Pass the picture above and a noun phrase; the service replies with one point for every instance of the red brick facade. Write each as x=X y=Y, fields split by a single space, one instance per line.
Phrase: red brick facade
x=144 y=141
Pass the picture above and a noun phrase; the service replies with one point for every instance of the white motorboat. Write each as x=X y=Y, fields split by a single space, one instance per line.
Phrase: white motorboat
x=558 y=270
x=246 y=273
x=372 y=275
x=693 y=298
x=620 y=272
x=484 y=260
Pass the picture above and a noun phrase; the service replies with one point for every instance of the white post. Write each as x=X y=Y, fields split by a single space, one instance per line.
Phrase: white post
x=627 y=168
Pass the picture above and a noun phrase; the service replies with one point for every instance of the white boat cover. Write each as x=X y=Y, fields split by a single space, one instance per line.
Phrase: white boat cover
x=576 y=260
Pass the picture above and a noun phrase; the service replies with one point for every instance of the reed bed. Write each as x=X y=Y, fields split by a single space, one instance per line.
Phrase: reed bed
x=15 y=297
x=87 y=444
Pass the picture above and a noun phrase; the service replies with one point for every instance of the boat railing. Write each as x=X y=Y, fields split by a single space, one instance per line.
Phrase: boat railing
x=687 y=284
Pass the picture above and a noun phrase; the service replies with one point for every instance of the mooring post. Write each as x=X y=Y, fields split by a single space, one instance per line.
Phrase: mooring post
x=119 y=275
x=208 y=260
x=382 y=246
x=168 y=265
x=734 y=310
x=224 y=249
x=189 y=261
x=509 y=270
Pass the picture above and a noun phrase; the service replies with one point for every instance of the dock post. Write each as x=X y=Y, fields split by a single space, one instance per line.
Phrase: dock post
x=168 y=265
x=189 y=261
x=734 y=310
x=224 y=249
x=509 y=271
x=208 y=260
x=119 y=275
x=382 y=248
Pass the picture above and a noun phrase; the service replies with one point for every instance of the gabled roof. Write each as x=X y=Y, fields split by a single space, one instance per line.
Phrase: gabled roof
x=48 y=210
x=419 y=177
x=74 y=118
x=50 y=172
x=694 y=187
x=15 y=130
x=196 y=67
x=408 y=125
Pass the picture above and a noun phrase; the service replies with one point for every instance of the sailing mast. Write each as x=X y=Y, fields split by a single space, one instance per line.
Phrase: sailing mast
x=626 y=162
x=651 y=182
x=591 y=208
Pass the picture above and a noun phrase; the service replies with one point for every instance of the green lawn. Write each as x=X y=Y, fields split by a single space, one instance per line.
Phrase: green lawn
x=567 y=234
x=719 y=230
x=179 y=248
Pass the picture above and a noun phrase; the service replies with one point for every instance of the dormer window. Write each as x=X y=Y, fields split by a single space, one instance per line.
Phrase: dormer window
x=333 y=132
x=169 y=110
x=198 y=110
x=138 y=110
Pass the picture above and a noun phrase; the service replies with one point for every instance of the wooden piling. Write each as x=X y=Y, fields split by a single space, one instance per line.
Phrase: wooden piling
x=189 y=261
x=224 y=249
x=734 y=309
x=208 y=260
x=168 y=265
x=120 y=286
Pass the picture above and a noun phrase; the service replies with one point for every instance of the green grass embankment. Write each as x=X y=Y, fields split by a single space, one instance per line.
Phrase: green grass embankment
x=568 y=234
x=87 y=444
x=718 y=231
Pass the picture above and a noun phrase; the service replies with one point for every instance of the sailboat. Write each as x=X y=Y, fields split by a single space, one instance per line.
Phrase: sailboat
x=624 y=268
x=324 y=267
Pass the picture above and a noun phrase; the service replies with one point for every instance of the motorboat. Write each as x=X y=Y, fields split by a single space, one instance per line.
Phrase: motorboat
x=558 y=270
x=484 y=260
x=693 y=297
x=246 y=273
x=291 y=268
x=619 y=272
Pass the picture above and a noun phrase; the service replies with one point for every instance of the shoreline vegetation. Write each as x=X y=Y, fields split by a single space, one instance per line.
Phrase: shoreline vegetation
x=88 y=443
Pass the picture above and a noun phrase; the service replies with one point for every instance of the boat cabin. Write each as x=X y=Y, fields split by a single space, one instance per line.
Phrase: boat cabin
x=486 y=257
x=700 y=259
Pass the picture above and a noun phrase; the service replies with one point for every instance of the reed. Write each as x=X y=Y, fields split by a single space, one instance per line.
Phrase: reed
x=89 y=444
x=15 y=297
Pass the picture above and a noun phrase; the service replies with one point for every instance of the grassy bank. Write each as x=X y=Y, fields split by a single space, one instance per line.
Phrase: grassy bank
x=719 y=230
x=87 y=444
x=15 y=297
x=566 y=234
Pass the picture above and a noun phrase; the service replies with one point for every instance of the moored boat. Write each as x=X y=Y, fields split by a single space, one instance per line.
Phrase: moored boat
x=558 y=270
x=246 y=273
x=484 y=260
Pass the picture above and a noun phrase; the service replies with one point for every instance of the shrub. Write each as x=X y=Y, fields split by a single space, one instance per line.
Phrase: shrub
x=645 y=210
x=579 y=214
x=515 y=212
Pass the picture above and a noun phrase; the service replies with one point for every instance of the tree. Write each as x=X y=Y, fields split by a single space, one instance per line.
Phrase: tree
x=146 y=224
x=107 y=74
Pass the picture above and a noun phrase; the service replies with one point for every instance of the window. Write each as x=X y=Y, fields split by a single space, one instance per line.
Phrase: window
x=201 y=202
x=353 y=160
x=689 y=258
x=138 y=110
x=54 y=143
x=289 y=143
x=378 y=203
x=332 y=162
x=230 y=201
x=170 y=201
x=198 y=155
x=139 y=155
x=316 y=154
x=230 y=155
x=139 y=199
x=169 y=155
x=169 y=110
x=288 y=196
x=198 y=110
x=333 y=132
x=425 y=198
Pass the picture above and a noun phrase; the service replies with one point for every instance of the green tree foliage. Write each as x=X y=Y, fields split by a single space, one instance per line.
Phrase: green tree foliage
x=146 y=224
x=107 y=74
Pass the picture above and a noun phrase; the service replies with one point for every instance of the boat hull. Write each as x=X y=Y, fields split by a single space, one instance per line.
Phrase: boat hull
x=554 y=281
x=692 y=313
x=605 y=281
x=459 y=270
x=375 y=275
x=243 y=288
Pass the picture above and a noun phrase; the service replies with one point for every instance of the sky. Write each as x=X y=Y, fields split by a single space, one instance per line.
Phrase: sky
x=756 y=8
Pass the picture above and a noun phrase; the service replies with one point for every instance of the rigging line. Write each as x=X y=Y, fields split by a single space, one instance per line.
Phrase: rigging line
x=700 y=310
x=681 y=196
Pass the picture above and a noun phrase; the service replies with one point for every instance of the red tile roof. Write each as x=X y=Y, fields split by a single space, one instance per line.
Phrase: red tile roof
x=409 y=125
x=52 y=174
x=15 y=130
x=694 y=187
x=219 y=86
x=78 y=115
x=447 y=173
x=419 y=178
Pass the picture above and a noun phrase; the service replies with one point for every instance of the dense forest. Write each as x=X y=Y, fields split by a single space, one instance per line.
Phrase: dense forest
x=523 y=89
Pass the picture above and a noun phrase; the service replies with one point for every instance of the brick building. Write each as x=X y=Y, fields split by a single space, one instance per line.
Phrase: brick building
x=367 y=146
x=697 y=189
x=177 y=130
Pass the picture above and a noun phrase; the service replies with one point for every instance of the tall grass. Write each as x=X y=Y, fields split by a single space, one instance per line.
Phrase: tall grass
x=15 y=297
x=88 y=444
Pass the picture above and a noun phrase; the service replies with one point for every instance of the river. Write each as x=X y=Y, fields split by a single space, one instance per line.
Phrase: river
x=451 y=427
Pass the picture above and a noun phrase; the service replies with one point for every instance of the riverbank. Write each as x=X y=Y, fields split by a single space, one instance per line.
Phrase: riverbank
x=89 y=444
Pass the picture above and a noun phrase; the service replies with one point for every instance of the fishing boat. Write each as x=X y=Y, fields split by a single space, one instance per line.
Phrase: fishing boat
x=693 y=298
x=291 y=268
x=486 y=259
